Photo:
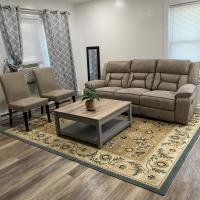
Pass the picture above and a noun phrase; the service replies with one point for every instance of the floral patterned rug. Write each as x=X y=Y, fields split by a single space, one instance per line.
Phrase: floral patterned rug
x=149 y=154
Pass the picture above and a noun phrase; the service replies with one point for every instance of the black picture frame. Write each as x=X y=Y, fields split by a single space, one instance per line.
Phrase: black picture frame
x=88 y=61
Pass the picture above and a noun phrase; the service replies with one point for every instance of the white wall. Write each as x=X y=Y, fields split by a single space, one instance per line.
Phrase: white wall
x=126 y=30
x=54 y=5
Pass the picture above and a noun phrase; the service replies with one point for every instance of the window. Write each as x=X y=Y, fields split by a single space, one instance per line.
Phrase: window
x=184 y=31
x=34 y=41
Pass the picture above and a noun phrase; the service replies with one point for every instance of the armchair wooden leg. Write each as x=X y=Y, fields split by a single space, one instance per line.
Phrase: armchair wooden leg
x=42 y=110
x=74 y=99
x=29 y=114
x=57 y=105
x=26 y=120
x=10 y=117
x=48 y=113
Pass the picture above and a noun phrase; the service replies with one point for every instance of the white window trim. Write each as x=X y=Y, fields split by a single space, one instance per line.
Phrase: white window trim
x=32 y=62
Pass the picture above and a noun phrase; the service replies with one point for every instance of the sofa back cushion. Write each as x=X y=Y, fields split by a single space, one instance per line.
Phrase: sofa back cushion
x=117 y=73
x=171 y=74
x=142 y=74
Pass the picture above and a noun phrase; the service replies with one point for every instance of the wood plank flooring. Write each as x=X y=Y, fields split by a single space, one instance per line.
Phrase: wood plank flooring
x=29 y=173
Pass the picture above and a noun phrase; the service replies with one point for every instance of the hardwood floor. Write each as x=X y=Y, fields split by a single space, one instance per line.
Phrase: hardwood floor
x=29 y=173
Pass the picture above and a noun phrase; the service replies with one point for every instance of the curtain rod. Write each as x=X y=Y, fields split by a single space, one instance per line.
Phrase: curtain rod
x=39 y=12
x=183 y=3
x=28 y=10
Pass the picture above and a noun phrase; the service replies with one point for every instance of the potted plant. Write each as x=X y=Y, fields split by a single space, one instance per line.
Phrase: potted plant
x=89 y=95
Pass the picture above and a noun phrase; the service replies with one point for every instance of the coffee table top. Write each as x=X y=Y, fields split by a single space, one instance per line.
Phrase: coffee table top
x=104 y=108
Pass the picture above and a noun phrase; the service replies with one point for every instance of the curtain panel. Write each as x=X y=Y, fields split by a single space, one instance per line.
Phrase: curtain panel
x=59 y=47
x=11 y=33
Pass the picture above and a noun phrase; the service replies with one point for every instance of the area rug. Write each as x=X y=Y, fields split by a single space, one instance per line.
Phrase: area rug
x=148 y=154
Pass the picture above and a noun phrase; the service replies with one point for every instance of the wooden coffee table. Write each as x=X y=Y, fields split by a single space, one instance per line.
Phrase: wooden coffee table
x=95 y=127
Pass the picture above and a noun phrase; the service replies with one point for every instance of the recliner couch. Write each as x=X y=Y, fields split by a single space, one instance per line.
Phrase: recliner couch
x=159 y=89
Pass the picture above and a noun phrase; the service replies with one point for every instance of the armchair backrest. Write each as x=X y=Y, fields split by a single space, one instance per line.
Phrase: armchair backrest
x=45 y=80
x=14 y=86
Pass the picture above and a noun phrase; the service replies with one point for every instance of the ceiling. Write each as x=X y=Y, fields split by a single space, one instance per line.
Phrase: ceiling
x=77 y=1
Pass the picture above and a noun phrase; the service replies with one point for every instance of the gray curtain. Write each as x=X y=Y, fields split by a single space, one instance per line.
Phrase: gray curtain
x=11 y=33
x=60 y=48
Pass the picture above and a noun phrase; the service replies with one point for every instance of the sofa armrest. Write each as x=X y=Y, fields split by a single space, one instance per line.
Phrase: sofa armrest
x=185 y=91
x=96 y=83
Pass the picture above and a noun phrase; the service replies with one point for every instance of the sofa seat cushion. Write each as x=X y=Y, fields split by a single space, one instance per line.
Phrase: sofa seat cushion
x=130 y=94
x=164 y=100
x=107 y=92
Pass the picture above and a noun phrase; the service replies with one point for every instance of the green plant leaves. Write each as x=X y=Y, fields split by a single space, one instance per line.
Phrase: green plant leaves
x=89 y=94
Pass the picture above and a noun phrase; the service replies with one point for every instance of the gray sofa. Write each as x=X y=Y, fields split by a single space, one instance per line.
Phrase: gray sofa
x=160 y=89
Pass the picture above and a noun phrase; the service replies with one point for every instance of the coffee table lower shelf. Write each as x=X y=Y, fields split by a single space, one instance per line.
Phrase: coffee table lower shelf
x=88 y=133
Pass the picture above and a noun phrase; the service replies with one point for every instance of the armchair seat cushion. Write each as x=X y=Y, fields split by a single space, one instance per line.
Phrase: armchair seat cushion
x=130 y=94
x=107 y=92
x=59 y=94
x=28 y=103
x=160 y=99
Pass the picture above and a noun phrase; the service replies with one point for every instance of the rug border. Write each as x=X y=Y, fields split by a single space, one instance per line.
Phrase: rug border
x=162 y=191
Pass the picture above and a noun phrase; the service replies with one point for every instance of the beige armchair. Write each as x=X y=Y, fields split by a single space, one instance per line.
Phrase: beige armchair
x=48 y=87
x=18 y=98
